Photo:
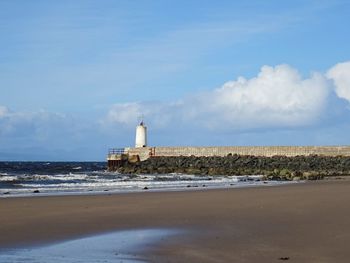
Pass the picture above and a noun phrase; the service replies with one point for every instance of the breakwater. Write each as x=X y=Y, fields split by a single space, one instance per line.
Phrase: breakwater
x=274 y=162
x=274 y=167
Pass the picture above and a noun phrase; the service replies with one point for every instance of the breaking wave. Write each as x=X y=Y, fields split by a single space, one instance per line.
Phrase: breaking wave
x=30 y=178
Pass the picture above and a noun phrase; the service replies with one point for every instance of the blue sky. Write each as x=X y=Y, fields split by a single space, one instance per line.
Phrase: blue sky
x=76 y=75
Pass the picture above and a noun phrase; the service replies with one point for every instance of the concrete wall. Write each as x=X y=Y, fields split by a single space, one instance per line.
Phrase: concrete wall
x=146 y=152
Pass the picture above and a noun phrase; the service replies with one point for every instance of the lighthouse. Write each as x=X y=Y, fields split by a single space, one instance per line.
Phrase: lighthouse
x=141 y=135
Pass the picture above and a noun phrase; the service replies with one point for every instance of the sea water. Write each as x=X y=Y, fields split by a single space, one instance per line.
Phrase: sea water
x=59 y=178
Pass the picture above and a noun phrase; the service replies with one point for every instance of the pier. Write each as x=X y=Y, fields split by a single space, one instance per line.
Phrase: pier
x=141 y=152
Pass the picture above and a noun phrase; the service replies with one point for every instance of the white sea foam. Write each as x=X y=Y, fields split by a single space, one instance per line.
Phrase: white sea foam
x=41 y=177
x=95 y=189
x=75 y=183
x=8 y=178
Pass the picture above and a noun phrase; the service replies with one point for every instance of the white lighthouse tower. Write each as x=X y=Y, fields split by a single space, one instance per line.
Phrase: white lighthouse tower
x=141 y=135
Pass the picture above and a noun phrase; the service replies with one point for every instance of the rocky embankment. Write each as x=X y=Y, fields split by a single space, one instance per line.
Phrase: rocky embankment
x=273 y=168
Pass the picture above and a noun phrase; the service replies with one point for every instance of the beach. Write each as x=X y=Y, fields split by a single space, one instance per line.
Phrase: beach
x=304 y=222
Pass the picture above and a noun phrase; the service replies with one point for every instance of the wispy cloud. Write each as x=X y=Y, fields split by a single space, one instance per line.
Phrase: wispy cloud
x=105 y=57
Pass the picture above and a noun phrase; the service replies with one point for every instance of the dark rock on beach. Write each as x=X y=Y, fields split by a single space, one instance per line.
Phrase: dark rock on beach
x=284 y=258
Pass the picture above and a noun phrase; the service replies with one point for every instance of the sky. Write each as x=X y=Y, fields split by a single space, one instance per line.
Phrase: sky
x=76 y=76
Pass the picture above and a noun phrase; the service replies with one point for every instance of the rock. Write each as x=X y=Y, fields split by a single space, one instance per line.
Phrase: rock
x=272 y=177
x=312 y=176
x=124 y=157
x=36 y=191
x=212 y=171
x=297 y=174
x=162 y=170
x=273 y=168
x=6 y=193
x=145 y=188
x=284 y=172
x=284 y=258
x=133 y=159
x=193 y=171
x=129 y=170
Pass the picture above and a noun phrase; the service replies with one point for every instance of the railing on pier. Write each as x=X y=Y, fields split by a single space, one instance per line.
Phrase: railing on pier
x=116 y=151
x=114 y=158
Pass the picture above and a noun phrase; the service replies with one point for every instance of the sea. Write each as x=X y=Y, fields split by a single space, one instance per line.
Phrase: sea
x=76 y=178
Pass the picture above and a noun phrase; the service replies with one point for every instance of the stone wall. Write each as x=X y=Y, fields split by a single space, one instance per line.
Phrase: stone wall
x=267 y=151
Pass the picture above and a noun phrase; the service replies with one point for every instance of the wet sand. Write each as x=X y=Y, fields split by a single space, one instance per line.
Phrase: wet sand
x=300 y=223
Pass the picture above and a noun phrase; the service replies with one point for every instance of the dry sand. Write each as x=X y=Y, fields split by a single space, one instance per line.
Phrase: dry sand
x=302 y=223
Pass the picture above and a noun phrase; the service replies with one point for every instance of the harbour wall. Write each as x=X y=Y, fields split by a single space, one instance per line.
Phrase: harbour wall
x=273 y=162
x=265 y=151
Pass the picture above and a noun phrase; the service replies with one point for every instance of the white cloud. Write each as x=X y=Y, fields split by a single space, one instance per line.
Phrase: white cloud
x=158 y=115
x=277 y=96
x=4 y=125
x=36 y=124
x=43 y=135
x=3 y=111
x=340 y=74
x=124 y=113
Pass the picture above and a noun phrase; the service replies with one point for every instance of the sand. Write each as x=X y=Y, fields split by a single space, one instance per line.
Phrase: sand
x=307 y=222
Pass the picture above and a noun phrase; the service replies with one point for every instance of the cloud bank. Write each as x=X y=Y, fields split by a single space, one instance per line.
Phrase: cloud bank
x=277 y=97
x=40 y=126
x=340 y=74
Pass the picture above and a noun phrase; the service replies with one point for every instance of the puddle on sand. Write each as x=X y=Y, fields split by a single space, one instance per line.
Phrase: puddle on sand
x=121 y=246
